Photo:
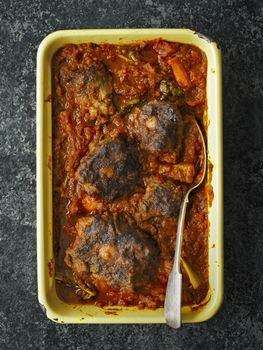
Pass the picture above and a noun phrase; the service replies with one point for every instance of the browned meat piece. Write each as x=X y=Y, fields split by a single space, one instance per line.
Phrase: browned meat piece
x=119 y=253
x=92 y=89
x=163 y=199
x=157 y=125
x=113 y=172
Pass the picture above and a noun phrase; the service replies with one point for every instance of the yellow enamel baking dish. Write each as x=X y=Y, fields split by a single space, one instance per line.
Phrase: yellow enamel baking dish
x=56 y=309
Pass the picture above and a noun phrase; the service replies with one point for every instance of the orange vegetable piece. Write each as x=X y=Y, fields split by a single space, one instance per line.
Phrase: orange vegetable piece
x=179 y=72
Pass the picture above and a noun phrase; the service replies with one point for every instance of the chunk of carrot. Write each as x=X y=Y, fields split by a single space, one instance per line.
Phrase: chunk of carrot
x=179 y=72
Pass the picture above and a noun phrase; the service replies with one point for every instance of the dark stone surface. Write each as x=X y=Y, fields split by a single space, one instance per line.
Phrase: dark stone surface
x=237 y=27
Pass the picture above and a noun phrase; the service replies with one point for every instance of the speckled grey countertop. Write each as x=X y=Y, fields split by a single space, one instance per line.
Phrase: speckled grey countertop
x=237 y=26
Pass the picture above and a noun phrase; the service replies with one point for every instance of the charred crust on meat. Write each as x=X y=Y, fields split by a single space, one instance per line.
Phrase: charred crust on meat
x=114 y=250
x=163 y=199
x=157 y=125
x=112 y=172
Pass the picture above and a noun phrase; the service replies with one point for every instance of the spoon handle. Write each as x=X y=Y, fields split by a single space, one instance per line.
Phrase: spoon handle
x=173 y=298
x=172 y=305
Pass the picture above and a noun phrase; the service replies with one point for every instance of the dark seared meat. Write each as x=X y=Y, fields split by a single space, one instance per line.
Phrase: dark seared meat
x=119 y=253
x=113 y=172
x=158 y=126
x=163 y=199
x=92 y=89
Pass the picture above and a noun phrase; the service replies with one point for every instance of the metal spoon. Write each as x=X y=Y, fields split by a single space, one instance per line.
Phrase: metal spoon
x=173 y=298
